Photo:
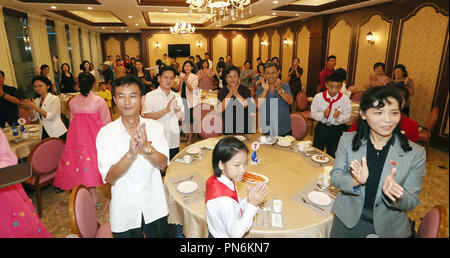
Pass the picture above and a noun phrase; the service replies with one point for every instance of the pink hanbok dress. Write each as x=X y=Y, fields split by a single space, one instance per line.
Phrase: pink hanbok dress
x=18 y=218
x=78 y=163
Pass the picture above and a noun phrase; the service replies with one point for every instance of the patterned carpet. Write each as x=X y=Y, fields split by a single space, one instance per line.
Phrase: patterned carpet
x=435 y=191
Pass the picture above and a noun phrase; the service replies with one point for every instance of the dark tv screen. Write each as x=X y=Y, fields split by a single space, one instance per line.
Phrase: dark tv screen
x=179 y=50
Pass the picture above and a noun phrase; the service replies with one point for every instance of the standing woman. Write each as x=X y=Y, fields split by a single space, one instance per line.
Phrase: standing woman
x=295 y=75
x=67 y=82
x=205 y=76
x=78 y=163
x=378 y=171
x=400 y=75
x=188 y=83
x=247 y=75
x=119 y=69
x=46 y=108
x=144 y=76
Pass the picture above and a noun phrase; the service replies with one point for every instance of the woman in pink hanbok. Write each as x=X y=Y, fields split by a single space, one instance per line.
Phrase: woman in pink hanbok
x=78 y=163
x=18 y=218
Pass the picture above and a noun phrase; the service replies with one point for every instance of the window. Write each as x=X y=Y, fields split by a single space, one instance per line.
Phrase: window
x=69 y=44
x=19 y=45
x=52 y=38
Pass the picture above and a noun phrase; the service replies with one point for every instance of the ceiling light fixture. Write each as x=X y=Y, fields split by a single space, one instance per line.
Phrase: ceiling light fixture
x=53 y=7
x=129 y=17
x=165 y=9
x=275 y=2
x=181 y=28
x=274 y=13
x=89 y=8
x=224 y=9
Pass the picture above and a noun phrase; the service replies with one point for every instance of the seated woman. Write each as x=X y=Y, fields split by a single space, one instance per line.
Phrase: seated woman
x=378 y=171
x=46 y=108
x=408 y=126
x=234 y=103
x=227 y=215
x=78 y=163
x=17 y=214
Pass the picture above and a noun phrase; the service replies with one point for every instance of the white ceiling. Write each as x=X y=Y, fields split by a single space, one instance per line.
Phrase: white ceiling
x=131 y=13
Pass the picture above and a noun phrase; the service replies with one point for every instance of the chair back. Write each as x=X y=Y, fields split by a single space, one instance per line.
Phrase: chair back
x=44 y=157
x=211 y=126
x=200 y=110
x=433 y=224
x=302 y=101
x=357 y=96
x=23 y=113
x=432 y=119
x=299 y=126
x=14 y=174
x=82 y=212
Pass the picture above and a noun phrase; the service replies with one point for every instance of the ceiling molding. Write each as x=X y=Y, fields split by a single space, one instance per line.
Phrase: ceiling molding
x=92 y=2
x=72 y=16
x=318 y=8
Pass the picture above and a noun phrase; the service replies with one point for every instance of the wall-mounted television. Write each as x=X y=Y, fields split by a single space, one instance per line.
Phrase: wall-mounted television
x=179 y=50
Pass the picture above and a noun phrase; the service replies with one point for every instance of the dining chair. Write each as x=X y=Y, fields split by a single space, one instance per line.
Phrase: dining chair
x=434 y=224
x=356 y=97
x=23 y=113
x=302 y=104
x=298 y=125
x=44 y=160
x=83 y=215
x=211 y=125
x=425 y=133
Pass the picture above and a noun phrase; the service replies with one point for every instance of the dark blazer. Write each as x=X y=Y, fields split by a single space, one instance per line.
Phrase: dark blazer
x=390 y=219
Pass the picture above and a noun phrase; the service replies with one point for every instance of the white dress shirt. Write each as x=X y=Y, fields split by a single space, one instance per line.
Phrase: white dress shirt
x=156 y=101
x=139 y=191
x=52 y=123
x=223 y=214
x=319 y=105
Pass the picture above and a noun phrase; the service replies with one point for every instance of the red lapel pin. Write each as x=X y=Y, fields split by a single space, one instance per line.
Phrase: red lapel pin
x=393 y=163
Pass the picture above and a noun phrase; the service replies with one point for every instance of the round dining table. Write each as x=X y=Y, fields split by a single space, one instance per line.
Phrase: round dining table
x=22 y=147
x=289 y=172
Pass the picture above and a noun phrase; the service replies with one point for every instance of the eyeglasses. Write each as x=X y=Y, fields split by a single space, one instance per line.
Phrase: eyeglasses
x=271 y=73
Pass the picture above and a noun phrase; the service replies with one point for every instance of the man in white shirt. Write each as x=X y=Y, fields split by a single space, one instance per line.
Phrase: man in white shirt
x=131 y=152
x=167 y=107
x=332 y=110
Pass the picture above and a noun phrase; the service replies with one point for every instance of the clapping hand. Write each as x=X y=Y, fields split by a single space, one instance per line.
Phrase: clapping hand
x=360 y=172
x=336 y=113
x=169 y=104
x=278 y=87
x=391 y=188
x=326 y=112
x=264 y=84
x=257 y=193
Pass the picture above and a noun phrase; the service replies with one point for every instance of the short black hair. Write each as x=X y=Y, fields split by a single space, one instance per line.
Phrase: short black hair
x=275 y=57
x=335 y=77
x=248 y=61
x=101 y=83
x=402 y=89
x=127 y=80
x=43 y=79
x=221 y=58
x=379 y=64
x=68 y=66
x=2 y=73
x=259 y=65
x=258 y=58
x=86 y=81
x=167 y=68
x=204 y=61
x=225 y=150
x=330 y=57
x=185 y=62
x=342 y=72
x=403 y=68
x=228 y=70
x=270 y=64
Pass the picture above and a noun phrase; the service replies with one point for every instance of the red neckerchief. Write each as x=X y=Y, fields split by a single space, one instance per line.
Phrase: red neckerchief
x=324 y=94
x=215 y=189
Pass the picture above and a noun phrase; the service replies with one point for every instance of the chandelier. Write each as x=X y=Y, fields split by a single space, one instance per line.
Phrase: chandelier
x=224 y=9
x=181 y=28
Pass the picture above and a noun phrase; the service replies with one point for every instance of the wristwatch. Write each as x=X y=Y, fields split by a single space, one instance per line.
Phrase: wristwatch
x=149 y=150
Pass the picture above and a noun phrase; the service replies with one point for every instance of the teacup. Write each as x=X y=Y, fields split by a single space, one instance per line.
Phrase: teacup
x=187 y=159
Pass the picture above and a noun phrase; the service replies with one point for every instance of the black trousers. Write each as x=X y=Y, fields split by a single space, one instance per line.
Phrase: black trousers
x=156 y=229
x=361 y=230
x=45 y=135
x=327 y=136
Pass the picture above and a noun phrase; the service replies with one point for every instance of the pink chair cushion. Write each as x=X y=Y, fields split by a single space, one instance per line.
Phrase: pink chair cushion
x=302 y=101
x=299 y=127
x=212 y=126
x=357 y=96
x=104 y=231
x=46 y=156
x=429 y=227
x=85 y=213
x=31 y=180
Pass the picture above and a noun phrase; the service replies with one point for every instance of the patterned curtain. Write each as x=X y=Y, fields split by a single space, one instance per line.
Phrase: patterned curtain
x=6 y=64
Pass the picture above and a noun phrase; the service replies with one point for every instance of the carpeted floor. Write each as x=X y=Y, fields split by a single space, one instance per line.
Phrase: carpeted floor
x=435 y=191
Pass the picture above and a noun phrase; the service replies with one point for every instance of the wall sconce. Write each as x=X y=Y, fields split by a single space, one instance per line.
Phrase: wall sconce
x=157 y=45
x=370 y=38
x=199 y=44
x=285 y=42
x=263 y=43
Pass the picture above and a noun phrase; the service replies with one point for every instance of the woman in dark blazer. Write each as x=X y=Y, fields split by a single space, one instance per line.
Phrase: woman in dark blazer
x=378 y=171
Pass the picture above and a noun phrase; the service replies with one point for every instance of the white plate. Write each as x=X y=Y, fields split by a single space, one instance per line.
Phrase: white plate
x=319 y=198
x=187 y=187
x=251 y=182
x=268 y=140
x=193 y=150
x=240 y=137
x=33 y=129
x=287 y=138
x=284 y=143
x=316 y=159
